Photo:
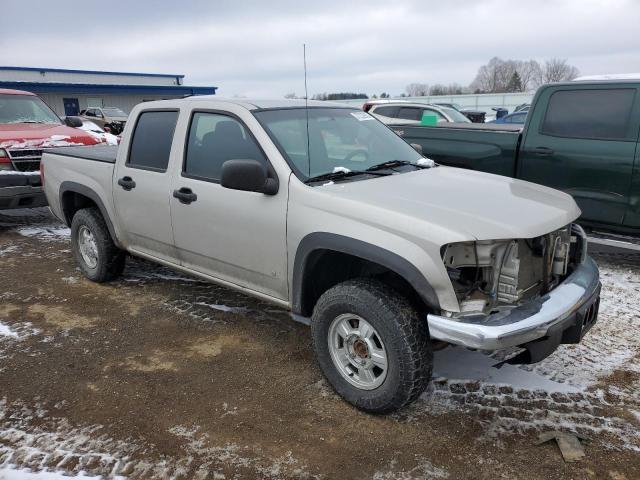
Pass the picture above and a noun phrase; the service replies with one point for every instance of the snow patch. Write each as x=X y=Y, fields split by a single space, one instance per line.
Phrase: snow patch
x=8 y=249
x=6 y=331
x=51 y=142
x=426 y=162
x=223 y=308
x=46 y=233
x=340 y=170
x=16 y=172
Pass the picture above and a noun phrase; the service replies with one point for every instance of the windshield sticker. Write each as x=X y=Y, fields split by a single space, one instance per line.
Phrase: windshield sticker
x=362 y=116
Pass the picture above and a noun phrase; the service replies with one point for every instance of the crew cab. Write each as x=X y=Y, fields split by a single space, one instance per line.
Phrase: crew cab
x=580 y=137
x=322 y=210
x=28 y=127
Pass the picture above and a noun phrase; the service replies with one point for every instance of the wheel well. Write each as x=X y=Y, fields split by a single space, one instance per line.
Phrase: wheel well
x=326 y=268
x=72 y=202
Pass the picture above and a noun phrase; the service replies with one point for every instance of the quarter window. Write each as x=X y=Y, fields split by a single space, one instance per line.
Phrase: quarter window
x=151 y=142
x=214 y=139
x=602 y=114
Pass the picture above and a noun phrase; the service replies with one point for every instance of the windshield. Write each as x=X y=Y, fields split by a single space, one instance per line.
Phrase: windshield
x=339 y=138
x=113 y=112
x=25 y=109
x=455 y=115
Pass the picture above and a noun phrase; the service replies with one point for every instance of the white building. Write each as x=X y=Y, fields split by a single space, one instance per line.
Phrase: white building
x=69 y=91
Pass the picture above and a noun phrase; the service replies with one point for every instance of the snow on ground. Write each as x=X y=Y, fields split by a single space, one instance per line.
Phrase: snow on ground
x=34 y=440
x=53 y=445
x=6 y=331
x=8 y=249
x=567 y=390
x=53 y=232
x=10 y=473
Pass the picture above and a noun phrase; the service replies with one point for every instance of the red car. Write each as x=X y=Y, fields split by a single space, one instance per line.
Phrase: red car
x=27 y=127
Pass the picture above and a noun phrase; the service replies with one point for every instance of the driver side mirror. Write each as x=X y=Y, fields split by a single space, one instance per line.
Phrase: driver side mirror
x=248 y=176
x=74 y=122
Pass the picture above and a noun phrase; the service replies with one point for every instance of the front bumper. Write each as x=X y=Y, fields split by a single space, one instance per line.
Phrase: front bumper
x=561 y=316
x=21 y=190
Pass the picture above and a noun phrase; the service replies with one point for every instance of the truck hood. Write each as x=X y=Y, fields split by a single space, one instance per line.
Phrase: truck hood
x=463 y=203
x=35 y=135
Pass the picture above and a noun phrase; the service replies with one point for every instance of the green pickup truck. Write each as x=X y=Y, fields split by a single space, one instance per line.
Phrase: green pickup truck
x=579 y=137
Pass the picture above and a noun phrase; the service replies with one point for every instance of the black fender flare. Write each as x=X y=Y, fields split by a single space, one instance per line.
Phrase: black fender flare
x=358 y=248
x=74 y=187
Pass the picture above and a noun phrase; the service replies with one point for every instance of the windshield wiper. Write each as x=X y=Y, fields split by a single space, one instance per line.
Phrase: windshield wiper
x=394 y=163
x=343 y=174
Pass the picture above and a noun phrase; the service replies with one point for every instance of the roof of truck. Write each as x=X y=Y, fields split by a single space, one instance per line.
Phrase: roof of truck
x=253 y=104
x=7 y=91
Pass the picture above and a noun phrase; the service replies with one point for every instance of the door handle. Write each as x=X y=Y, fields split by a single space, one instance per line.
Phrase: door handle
x=127 y=183
x=185 y=195
x=543 y=151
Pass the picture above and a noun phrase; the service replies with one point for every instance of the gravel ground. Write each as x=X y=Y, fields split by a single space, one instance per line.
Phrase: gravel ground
x=159 y=375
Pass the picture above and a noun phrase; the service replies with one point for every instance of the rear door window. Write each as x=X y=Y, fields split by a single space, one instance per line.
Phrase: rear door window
x=602 y=114
x=151 y=141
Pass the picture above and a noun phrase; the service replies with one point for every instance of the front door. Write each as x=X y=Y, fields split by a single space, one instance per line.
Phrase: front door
x=142 y=186
x=235 y=236
x=71 y=106
x=584 y=144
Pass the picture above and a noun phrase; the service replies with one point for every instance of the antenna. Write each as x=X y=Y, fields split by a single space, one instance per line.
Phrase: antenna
x=306 y=102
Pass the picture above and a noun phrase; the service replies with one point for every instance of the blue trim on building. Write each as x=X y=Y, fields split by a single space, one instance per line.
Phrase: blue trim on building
x=91 y=72
x=90 y=89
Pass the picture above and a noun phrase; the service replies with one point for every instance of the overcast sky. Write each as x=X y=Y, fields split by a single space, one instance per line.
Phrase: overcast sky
x=254 y=48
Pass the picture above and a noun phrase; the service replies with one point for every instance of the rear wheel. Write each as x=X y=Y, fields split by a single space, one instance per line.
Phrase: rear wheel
x=95 y=253
x=372 y=345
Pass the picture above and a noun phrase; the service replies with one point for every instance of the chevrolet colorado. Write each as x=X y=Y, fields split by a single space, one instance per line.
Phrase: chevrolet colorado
x=323 y=210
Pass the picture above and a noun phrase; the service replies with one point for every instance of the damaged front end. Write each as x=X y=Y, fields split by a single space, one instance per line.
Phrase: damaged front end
x=531 y=293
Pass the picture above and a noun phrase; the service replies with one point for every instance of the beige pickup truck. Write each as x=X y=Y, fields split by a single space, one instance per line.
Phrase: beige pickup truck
x=324 y=211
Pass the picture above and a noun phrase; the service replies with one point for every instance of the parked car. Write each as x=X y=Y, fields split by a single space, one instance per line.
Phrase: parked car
x=517 y=118
x=27 y=128
x=523 y=107
x=409 y=113
x=326 y=212
x=476 y=116
x=109 y=118
x=579 y=137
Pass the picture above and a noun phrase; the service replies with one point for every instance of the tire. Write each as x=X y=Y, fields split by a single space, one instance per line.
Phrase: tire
x=399 y=332
x=109 y=259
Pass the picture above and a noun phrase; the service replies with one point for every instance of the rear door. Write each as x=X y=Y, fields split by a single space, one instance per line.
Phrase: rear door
x=142 y=186
x=582 y=140
x=235 y=236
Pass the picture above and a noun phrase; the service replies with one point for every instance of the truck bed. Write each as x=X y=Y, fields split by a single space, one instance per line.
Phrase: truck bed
x=486 y=147
x=99 y=153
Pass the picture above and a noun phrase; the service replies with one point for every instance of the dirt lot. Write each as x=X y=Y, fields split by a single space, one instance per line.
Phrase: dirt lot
x=162 y=376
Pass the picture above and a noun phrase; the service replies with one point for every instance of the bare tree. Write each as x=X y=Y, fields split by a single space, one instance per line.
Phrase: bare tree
x=558 y=70
x=530 y=75
x=290 y=95
x=498 y=74
x=417 y=90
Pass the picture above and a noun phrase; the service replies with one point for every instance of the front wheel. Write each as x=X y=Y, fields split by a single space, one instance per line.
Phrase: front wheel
x=372 y=345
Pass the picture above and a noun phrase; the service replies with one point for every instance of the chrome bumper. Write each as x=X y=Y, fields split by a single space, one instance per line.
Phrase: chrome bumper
x=569 y=305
